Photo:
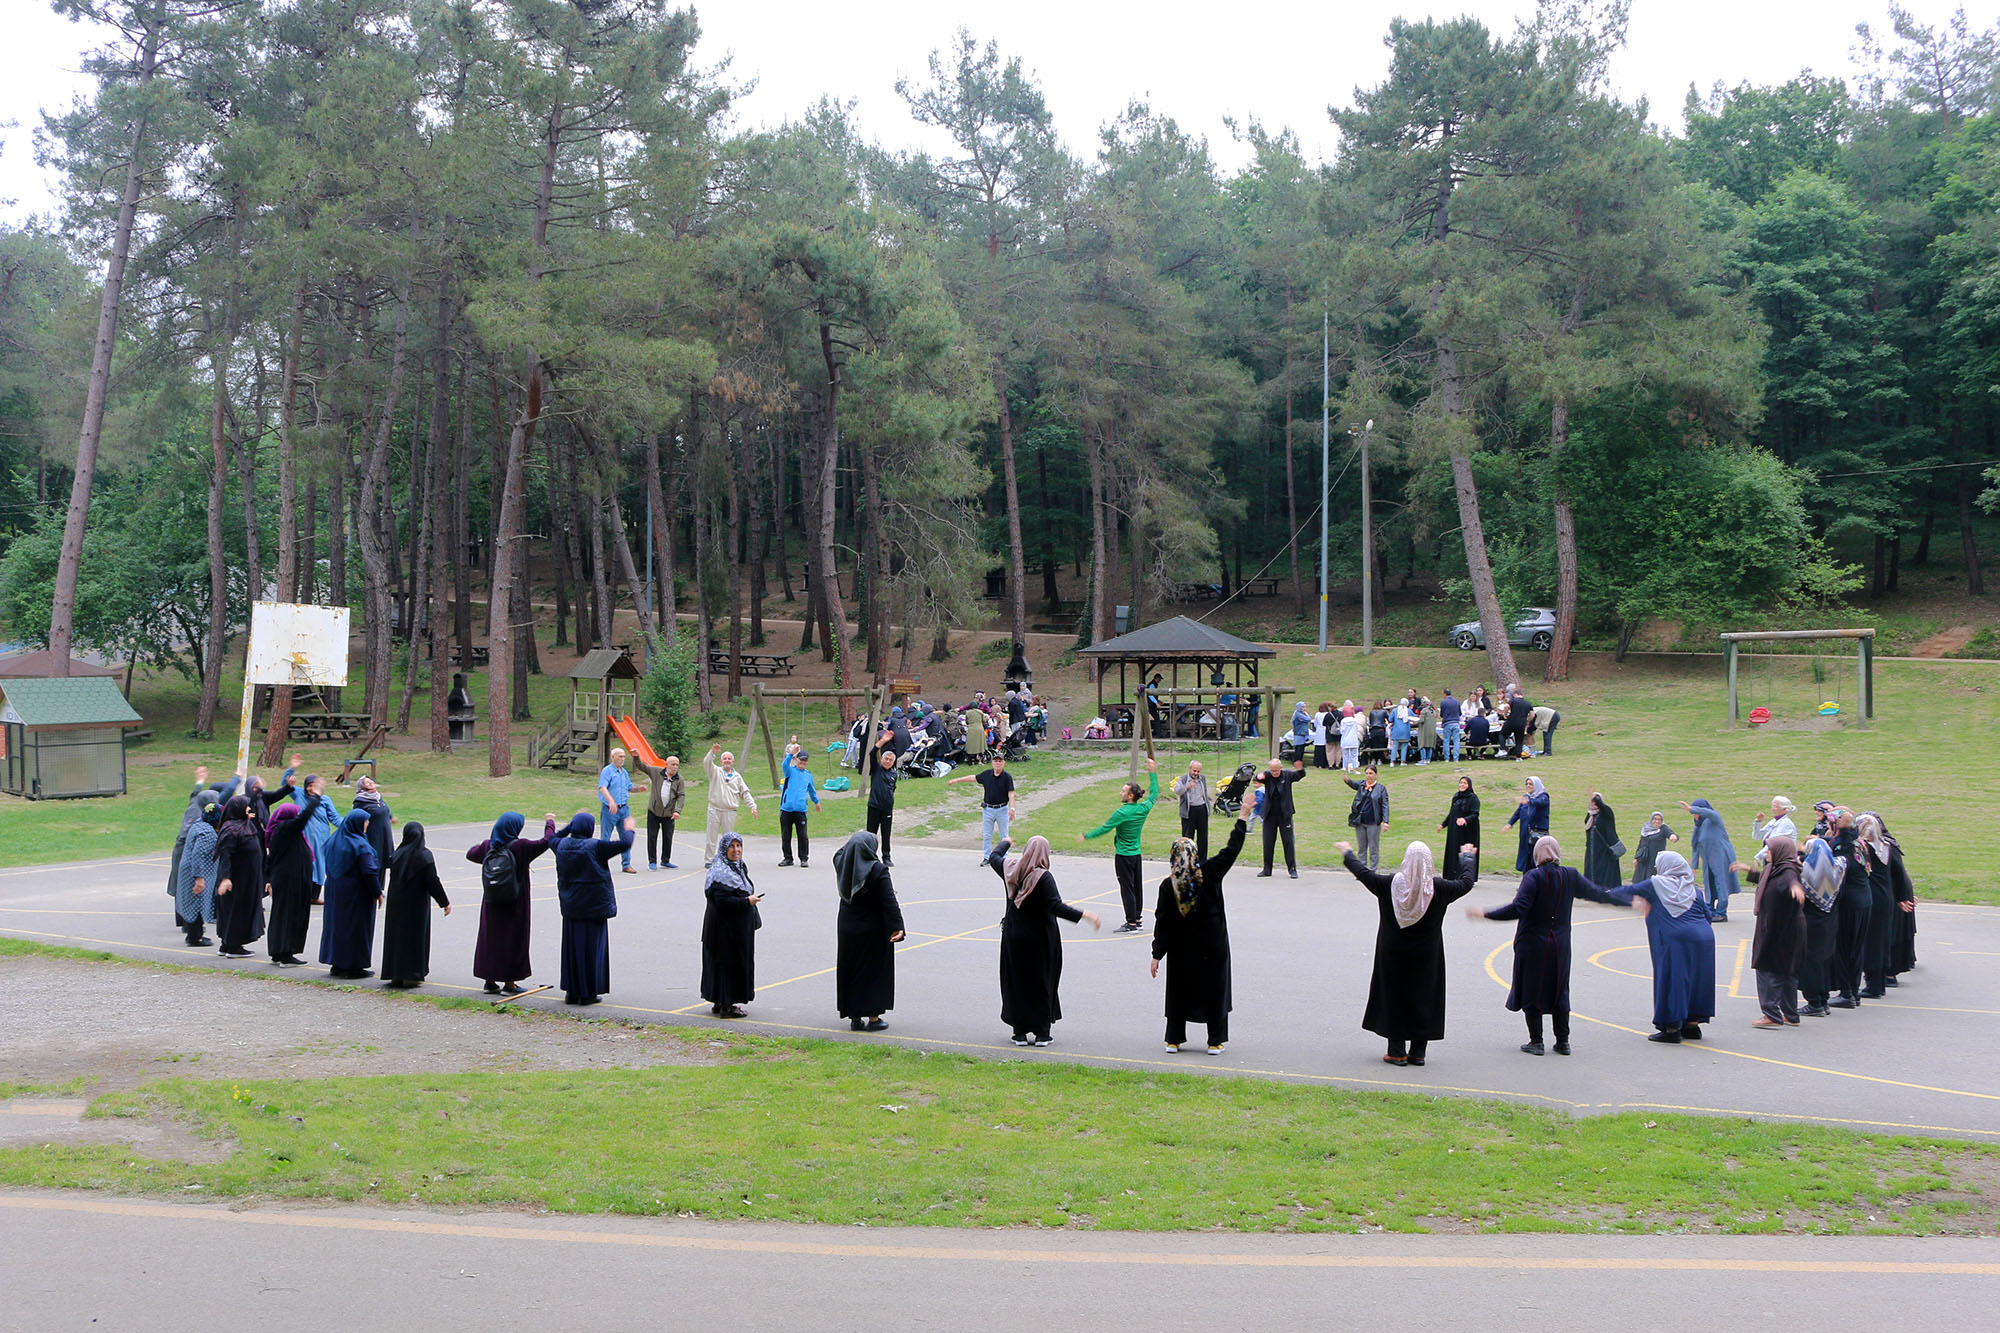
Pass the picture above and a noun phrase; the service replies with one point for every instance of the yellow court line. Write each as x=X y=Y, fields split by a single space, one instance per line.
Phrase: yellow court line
x=1761 y=1059
x=995 y=1254
x=1736 y=977
x=1596 y=960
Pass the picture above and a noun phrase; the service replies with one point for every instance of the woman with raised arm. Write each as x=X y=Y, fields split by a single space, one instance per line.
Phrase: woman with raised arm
x=239 y=879
x=1031 y=953
x=1191 y=935
x=1682 y=944
x=1541 y=912
x=1406 y=989
x=500 y=956
x=588 y=902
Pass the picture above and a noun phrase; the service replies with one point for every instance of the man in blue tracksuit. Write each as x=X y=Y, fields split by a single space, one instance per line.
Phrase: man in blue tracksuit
x=799 y=790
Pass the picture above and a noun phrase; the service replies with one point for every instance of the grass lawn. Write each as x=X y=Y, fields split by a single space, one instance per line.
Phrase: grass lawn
x=1648 y=733
x=808 y=1131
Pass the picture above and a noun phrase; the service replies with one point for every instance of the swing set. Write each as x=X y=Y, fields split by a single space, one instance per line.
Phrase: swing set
x=1864 y=700
x=791 y=703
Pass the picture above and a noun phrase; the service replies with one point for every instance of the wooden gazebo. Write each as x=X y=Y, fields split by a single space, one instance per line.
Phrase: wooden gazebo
x=1219 y=665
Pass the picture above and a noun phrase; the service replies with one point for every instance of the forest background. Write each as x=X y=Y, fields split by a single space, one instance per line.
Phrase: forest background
x=457 y=309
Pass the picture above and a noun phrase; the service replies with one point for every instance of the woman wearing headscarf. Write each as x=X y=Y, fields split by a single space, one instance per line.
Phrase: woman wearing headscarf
x=1853 y=911
x=1903 y=946
x=203 y=795
x=1779 y=824
x=1191 y=933
x=871 y=923
x=588 y=902
x=406 y=922
x=729 y=931
x=1601 y=847
x=1031 y=954
x=353 y=890
x=381 y=825
x=1682 y=944
x=239 y=880
x=1778 y=948
x=1301 y=728
x=500 y=957
x=1427 y=732
x=1653 y=840
x=1714 y=853
x=288 y=868
x=194 y=871
x=1541 y=912
x=1531 y=813
x=1820 y=873
x=1882 y=912
x=1461 y=825
x=320 y=832
x=1406 y=989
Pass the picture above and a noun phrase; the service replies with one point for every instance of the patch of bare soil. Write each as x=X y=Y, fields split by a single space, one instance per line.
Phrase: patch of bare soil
x=120 y=1026
x=1945 y=641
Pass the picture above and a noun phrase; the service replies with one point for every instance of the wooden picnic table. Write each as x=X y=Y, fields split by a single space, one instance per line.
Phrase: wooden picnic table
x=482 y=655
x=751 y=664
x=1197 y=592
x=1266 y=586
x=327 y=726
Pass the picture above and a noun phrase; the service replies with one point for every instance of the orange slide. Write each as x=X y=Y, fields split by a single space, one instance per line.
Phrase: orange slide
x=627 y=731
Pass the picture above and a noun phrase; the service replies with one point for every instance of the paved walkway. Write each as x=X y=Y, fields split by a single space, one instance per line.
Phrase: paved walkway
x=1302 y=951
x=206 y=1266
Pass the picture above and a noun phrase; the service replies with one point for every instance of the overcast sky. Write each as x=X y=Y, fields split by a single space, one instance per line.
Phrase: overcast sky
x=1281 y=64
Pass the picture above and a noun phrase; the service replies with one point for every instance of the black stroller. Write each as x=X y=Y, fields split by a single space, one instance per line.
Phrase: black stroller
x=1235 y=789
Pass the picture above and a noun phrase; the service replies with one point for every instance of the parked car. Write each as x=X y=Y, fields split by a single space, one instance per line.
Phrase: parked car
x=1535 y=629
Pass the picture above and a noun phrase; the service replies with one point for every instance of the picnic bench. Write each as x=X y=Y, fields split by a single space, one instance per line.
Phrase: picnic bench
x=750 y=664
x=1265 y=586
x=1197 y=592
x=482 y=655
x=327 y=726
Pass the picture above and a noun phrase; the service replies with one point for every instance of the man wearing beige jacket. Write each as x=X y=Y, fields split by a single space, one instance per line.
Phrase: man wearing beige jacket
x=727 y=793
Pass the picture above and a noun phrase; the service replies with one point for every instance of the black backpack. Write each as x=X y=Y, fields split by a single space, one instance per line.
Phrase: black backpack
x=496 y=876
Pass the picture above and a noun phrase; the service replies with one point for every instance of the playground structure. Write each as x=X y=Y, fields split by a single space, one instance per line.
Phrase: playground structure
x=603 y=686
x=1864 y=644
x=878 y=708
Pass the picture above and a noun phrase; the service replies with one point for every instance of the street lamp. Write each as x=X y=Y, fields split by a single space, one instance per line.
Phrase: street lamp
x=1367 y=542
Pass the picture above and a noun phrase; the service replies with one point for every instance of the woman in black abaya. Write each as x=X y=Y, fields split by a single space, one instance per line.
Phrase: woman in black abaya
x=239 y=880
x=1030 y=944
x=1406 y=991
x=871 y=923
x=1191 y=933
x=1601 y=847
x=406 y=922
x=587 y=901
x=288 y=867
x=1461 y=826
x=729 y=931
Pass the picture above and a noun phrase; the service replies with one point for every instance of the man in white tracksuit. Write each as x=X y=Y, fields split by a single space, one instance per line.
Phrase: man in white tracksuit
x=727 y=793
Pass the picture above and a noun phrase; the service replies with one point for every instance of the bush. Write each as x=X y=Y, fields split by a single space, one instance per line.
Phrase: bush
x=667 y=694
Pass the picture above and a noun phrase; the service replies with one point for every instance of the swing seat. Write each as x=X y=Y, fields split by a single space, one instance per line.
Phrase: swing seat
x=839 y=783
x=1759 y=716
x=1829 y=709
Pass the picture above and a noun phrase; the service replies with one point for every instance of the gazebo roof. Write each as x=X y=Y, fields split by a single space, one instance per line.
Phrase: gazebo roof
x=599 y=663
x=66 y=701
x=42 y=662
x=1180 y=637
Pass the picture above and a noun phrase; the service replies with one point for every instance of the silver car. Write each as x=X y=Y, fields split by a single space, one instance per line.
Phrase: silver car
x=1535 y=629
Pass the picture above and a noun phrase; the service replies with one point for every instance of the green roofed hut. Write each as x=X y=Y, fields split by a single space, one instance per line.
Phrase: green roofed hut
x=1209 y=703
x=63 y=736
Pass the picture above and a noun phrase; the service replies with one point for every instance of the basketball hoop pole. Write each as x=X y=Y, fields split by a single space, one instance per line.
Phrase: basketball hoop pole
x=243 y=728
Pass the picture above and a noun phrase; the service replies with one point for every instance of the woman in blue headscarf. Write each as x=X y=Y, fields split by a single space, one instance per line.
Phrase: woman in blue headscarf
x=194 y=870
x=588 y=902
x=500 y=958
x=1531 y=812
x=1714 y=853
x=352 y=892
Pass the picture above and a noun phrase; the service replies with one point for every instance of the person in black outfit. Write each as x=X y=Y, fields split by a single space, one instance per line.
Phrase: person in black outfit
x=406 y=928
x=1031 y=952
x=1406 y=991
x=1191 y=932
x=1541 y=912
x=1278 y=812
x=882 y=778
x=1518 y=713
x=871 y=923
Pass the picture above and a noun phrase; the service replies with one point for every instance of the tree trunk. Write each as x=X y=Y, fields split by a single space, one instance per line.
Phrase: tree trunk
x=733 y=498
x=218 y=558
x=809 y=531
x=527 y=653
x=62 y=607
x=663 y=499
x=1968 y=539
x=418 y=604
x=1566 y=573
x=440 y=511
x=1017 y=561
x=1499 y=656
x=760 y=534
x=1291 y=483
x=309 y=544
x=278 y=729
x=1100 y=554
x=704 y=625
x=877 y=549
x=600 y=579
x=461 y=519
x=1923 y=555
x=500 y=594
x=376 y=562
x=826 y=570
x=560 y=541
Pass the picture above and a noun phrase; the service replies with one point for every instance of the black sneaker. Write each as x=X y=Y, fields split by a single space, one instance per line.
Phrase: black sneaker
x=1532 y=1048
x=787 y=861
x=1023 y=1039
x=1562 y=1048
x=1263 y=874
x=1295 y=874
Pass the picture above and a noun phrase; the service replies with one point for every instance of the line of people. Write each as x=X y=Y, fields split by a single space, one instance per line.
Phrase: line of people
x=1418 y=730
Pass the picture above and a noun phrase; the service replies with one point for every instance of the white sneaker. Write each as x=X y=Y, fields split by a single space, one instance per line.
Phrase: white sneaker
x=1215 y=1050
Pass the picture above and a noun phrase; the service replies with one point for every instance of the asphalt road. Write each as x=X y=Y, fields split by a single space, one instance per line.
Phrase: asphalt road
x=1301 y=951
x=166 y=1266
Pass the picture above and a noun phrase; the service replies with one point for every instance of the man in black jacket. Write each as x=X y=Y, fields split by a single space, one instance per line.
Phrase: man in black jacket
x=882 y=779
x=1278 y=812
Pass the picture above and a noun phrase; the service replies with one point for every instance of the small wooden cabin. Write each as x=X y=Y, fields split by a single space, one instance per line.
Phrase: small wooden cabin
x=63 y=736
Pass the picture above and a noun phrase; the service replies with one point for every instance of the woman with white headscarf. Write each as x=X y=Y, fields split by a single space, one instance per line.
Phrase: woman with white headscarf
x=1191 y=933
x=1406 y=991
x=1682 y=942
x=1541 y=912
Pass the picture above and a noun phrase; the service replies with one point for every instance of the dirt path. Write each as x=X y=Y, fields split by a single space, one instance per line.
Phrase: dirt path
x=1945 y=641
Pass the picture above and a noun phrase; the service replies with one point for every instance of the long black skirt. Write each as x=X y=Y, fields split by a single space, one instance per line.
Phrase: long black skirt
x=586 y=960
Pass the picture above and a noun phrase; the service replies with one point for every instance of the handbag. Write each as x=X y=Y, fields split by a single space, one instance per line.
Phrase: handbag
x=1618 y=848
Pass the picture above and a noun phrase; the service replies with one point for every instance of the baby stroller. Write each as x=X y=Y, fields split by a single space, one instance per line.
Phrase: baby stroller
x=1230 y=798
x=919 y=760
x=1017 y=742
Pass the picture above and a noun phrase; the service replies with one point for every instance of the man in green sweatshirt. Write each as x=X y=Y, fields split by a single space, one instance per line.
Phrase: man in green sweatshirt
x=1128 y=821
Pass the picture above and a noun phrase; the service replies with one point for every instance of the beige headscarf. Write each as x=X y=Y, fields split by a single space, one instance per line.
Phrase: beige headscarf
x=1411 y=889
x=1547 y=849
x=1185 y=864
x=1027 y=869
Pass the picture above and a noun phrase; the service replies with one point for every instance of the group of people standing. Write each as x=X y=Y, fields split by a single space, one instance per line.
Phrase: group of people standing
x=1419 y=730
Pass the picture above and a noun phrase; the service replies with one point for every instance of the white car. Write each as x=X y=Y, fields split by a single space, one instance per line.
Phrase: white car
x=1535 y=629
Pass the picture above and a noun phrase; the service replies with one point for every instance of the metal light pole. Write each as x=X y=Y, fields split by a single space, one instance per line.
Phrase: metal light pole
x=1325 y=457
x=1367 y=543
